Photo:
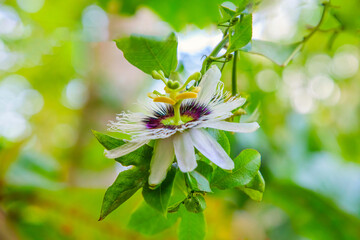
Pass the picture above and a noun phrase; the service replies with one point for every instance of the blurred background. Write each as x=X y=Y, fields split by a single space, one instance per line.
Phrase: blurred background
x=61 y=75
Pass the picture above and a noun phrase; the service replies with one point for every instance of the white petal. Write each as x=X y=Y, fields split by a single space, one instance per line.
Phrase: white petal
x=211 y=149
x=209 y=84
x=184 y=151
x=162 y=158
x=220 y=108
x=124 y=149
x=232 y=127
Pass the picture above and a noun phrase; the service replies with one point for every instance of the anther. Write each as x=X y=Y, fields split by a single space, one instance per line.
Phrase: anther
x=164 y=100
x=186 y=95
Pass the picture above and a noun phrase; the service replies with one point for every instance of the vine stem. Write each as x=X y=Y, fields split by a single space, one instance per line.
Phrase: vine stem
x=316 y=28
x=233 y=76
x=214 y=53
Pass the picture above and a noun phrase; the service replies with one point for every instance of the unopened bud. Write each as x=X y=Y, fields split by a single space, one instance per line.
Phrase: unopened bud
x=196 y=203
x=159 y=75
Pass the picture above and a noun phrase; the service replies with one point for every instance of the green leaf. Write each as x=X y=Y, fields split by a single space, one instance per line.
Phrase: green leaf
x=128 y=181
x=278 y=53
x=149 y=221
x=330 y=22
x=107 y=141
x=242 y=4
x=32 y=169
x=198 y=182
x=181 y=13
x=247 y=164
x=312 y=215
x=221 y=138
x=240 y=34
x=125 y=185
x=138 y=157
x=159 y=197
x=150 y=53
x=226 y=14
x=255 y=188
x=179 y=193
x=192 y=225
x=175 y=207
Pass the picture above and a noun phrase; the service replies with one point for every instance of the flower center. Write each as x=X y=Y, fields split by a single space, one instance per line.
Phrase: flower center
x=175 y=93
x=170 y=121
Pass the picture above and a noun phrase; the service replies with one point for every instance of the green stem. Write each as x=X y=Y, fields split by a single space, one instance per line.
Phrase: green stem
x=214 y=53
x=233 y=77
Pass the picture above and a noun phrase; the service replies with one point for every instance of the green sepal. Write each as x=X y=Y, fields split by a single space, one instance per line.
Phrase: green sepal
x=197 y=182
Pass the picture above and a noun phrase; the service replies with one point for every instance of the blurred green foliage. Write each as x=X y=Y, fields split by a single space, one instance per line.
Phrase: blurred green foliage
x=56 y=83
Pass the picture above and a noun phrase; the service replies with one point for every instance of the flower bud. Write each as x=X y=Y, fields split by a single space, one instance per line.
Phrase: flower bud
x=159 y=75
x=196 y=203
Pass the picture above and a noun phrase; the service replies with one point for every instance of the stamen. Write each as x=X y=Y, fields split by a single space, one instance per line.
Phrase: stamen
x=164 y=100
x=186 y=95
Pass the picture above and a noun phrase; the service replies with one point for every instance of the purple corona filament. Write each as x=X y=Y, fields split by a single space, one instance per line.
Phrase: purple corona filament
x=192 y=109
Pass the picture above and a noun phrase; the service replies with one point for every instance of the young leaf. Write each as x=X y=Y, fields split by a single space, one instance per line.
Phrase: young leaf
x=192 y=225
x=255 y=188
x=149 y=221
x=159 y=197
x=240 y=34
x=247 y=164
x=225 y=14
x=125 y=185
x=279 y=54
x=150 y=53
